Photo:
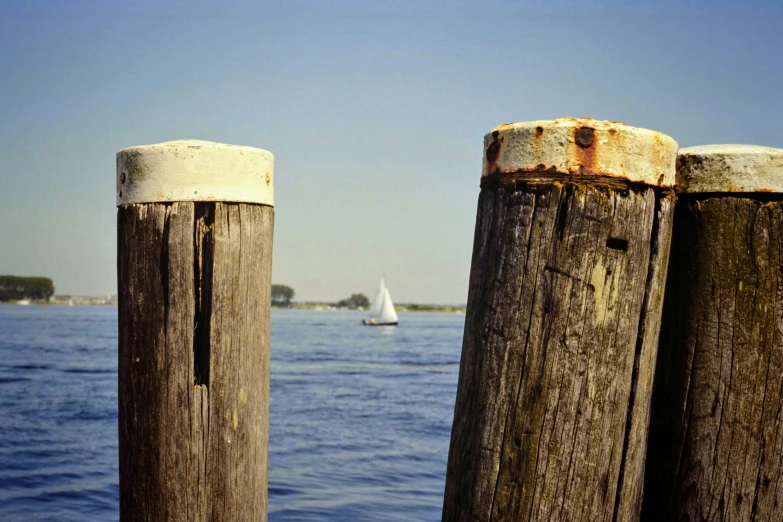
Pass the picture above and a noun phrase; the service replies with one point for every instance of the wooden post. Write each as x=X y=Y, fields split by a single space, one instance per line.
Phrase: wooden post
x=569 y=260
x=194 y=260
x=716 y=448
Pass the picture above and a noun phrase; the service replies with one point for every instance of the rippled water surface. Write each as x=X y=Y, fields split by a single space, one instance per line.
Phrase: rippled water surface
x=359 y=425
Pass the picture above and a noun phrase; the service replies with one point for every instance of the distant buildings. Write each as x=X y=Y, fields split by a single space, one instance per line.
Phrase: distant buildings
x=82 y=300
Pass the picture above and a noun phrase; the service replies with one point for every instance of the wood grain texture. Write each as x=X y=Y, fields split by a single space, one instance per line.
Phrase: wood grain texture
x=194 y=300
x=716 y=449
x=560 y=340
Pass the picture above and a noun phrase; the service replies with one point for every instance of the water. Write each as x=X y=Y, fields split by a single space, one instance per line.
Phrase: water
x=359 y=425
x=361 y=416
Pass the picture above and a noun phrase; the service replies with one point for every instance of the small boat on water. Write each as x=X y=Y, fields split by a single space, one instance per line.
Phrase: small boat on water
x=382 y=311
x=23 y=302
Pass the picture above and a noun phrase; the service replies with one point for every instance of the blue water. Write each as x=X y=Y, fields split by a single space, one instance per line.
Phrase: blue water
x=359 y=424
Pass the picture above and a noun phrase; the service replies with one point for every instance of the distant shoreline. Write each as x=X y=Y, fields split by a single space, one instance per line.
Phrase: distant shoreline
x=46 y=303
x=100 y=301
x=67 y=300
x=399 y=308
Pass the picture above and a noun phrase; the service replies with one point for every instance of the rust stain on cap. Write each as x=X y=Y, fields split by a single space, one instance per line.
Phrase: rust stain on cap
x=493 y=150
x=581 y=147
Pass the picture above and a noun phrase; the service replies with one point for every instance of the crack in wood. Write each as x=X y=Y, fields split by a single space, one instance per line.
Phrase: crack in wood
x=203 y=259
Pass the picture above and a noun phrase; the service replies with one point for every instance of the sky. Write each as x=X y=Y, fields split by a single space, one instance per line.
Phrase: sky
x=375 y=112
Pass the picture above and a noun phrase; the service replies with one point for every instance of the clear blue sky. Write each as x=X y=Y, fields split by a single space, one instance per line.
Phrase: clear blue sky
x=375 y=112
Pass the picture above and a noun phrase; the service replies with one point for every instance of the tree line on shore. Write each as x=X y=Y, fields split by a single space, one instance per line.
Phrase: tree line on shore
x=15 y=288
x=283 y=296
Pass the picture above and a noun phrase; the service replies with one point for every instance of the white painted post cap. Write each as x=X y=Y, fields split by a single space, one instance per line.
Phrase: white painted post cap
x=729 y=168
x=581 y=146
x=194 y=170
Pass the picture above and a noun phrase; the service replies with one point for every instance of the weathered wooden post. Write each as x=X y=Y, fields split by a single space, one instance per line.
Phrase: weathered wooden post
x=561 y=333
x=715 y=446
x=194 y=260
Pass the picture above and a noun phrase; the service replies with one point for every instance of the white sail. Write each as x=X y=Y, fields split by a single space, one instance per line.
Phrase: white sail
x=377 y=300
x=382 y=309
x=387 y=313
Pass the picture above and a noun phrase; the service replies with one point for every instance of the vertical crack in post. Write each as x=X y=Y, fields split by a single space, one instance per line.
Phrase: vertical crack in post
x=163 y=262
x=562 y=211
x=641 y=332
x=203 y=260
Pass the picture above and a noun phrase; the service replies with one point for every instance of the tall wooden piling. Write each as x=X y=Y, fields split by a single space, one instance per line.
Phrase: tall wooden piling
x=194 y=259
x=716 y=446
x=569 y=261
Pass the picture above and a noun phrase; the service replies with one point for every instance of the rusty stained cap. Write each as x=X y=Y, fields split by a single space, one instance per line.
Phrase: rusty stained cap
x=194 y=170
x=730 y=168
x=581 y=146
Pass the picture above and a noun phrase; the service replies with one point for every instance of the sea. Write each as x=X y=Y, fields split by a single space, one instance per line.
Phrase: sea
x=360 y=417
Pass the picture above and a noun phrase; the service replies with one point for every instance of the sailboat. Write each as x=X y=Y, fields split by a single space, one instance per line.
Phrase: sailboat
x=382 y=309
